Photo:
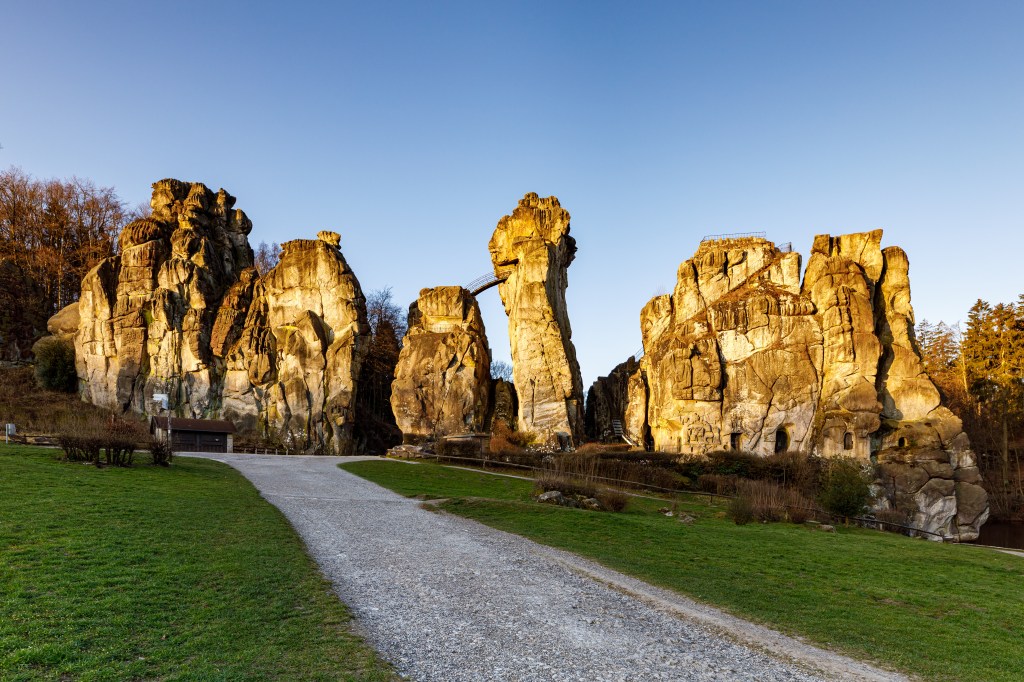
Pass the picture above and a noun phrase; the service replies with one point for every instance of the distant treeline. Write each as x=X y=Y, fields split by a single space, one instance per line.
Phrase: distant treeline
x=51 y=233
x=979 y=368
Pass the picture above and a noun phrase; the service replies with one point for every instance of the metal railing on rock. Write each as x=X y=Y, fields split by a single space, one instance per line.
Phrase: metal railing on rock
x=483 y=283
x=732 y=235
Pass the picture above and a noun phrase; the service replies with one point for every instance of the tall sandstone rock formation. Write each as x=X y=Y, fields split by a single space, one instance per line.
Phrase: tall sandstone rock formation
x=147 y=314
x=531 y=251
x=181 y=310
x=442 y=382
x=743 y=356
x=300 y=349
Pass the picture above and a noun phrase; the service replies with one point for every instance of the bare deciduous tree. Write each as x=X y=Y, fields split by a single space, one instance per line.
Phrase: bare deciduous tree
x=375 y=425
x=501 y=370
x=52 y=232
x=266 y=257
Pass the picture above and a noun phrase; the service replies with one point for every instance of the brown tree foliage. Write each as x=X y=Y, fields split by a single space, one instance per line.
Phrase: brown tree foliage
x=52 y=232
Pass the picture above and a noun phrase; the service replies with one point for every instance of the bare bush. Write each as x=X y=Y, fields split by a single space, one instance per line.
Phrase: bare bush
x=741 y=510
x=161 y=452
x=567 y=486
x=768 y=500
x=612 y=500
x=719 y=484
x=799 y=509
x=892 y=520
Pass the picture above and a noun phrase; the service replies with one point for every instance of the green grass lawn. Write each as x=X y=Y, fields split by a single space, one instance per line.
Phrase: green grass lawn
x=154 y=573
x=945 y=612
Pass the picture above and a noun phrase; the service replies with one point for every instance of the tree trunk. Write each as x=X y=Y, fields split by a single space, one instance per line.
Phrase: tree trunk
x=1004 y=447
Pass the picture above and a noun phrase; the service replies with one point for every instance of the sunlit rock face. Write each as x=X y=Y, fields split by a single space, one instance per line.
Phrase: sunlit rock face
x=742 y=355
x=841 y=277
x=300 y=349
x=531 y=251
x=181 y=310
x=147 y=314
x=732 y=355
x=442 y=382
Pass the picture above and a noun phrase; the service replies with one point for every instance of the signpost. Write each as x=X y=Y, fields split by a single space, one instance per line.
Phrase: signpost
x=9 y=431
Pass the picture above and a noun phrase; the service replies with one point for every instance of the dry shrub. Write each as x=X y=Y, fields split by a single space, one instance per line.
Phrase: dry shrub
x=612 y=500
x=80 y=448
x=576 y=465
x=567 y=486
x=787 y=469
x=795 y=470
x=741 y=510
x=595 y=448
x=524 y=458
x=719 y=484
x=767 y=499
x=892 y=519
x=799 y=509
x=736 y=462
x=502 y=439
x=121 y=438
x=522 y=439
x=81 y=438
x=86 y=438
x=161 y=452
x=602 y=464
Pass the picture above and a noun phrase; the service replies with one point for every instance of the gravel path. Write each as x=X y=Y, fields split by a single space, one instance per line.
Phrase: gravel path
x=445 y=598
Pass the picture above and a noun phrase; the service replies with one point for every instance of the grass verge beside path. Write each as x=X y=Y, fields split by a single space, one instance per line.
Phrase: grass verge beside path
x=945 y=612
x=153 y=573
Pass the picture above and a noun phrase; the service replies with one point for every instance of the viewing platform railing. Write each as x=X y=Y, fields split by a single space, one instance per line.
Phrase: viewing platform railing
x=732 y=235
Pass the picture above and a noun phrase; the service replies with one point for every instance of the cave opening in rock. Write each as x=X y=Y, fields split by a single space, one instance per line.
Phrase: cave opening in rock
x=848 y=441
x=781 y=440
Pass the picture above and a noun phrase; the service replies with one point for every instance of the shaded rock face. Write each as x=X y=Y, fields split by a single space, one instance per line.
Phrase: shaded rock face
x=505 y=405
x=608 y=401
x=181 y=310
x=742 y=355
x=531 y=251
x=442 y=382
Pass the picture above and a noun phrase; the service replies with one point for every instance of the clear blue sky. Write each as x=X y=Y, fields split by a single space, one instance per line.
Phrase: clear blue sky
x=411 y=128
